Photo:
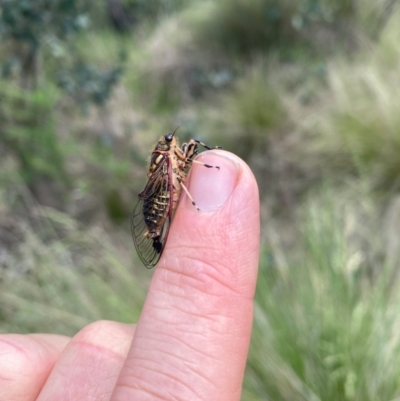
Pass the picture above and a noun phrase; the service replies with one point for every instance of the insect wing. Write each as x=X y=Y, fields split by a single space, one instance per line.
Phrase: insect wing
x=158 y=186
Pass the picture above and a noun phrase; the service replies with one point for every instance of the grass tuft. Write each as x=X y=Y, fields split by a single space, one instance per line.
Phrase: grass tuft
x=61 y=276
x=250 y=113
x=361 y=132
x=324 y=329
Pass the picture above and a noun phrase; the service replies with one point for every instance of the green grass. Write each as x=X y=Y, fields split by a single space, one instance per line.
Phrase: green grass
x=326 y=326
x=326 y=307
x=28 y=130
x=240 y=27
x=240 y=75
x=62 y=276
x=246 y=117
x=360 y=129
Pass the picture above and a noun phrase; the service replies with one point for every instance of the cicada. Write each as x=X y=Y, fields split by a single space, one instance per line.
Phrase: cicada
x=154 y=211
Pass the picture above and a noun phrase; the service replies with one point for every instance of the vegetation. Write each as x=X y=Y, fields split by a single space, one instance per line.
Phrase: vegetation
x=327 y=322
x=304 y=91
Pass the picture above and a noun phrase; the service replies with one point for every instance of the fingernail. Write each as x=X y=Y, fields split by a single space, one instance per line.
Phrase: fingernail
x=211 y=187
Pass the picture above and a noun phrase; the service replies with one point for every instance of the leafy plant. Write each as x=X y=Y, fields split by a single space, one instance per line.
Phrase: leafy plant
x=29 y=30
x=28 y=130
x=241 y=27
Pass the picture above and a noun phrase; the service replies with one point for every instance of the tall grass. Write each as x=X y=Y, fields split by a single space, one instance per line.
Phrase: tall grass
x=246 y=117
x=326 y=308
x=60 y=276
x=361 y=130
x=325 y=329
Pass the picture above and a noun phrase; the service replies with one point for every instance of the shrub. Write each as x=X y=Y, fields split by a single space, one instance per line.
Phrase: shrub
x=244 y=27
x=28 y=131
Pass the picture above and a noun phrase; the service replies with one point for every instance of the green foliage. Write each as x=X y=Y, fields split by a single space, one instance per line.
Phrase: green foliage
x=30 y=30
x=33 y=22
x=243 y=27
x=63 y=276
x=362 y=134
x=368 y=16
x=327 y=299
x=116 y=207
x=327 y=11
x=372 y=16
x=26 y=27
x=102 y=156
x=252 y=111
x=323 y=329
x=144 y=10
x=28 y=130
x=255 y=103
x=87 y=83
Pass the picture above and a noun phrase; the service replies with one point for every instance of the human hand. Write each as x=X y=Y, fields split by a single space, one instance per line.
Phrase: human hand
x=192 y=338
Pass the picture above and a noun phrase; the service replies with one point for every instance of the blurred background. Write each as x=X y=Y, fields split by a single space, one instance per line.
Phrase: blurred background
x=306 y=91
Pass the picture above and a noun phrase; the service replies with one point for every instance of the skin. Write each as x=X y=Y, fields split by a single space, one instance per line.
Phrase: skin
x=192 y=339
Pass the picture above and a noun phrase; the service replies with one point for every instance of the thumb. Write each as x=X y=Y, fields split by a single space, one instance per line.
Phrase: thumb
x=192 y=338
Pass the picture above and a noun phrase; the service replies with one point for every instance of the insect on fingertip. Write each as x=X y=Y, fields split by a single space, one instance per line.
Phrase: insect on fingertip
x=153 y=213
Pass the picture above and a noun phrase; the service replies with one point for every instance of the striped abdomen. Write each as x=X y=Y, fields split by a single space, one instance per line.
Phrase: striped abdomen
x=156 y=209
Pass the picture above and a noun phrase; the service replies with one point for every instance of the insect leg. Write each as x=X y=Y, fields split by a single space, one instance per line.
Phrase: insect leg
x=188 y=193
x=189 y=150
x=205 y=146
x=201 y=163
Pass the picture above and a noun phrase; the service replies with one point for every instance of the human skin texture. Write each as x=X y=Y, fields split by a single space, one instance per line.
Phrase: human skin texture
x=192 y=338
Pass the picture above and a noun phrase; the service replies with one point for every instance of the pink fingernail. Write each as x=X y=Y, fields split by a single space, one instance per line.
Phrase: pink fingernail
x=211 y=187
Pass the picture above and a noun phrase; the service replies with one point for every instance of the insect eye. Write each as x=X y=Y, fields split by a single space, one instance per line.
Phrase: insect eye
x=169 y=137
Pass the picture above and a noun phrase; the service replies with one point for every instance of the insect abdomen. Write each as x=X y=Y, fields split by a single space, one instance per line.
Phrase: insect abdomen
x=156 y=208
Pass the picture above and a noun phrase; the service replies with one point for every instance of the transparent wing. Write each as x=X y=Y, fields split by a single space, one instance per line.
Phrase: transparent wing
x=158 y=187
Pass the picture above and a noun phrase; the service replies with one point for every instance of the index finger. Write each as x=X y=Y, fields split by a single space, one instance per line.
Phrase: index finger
x=192 y=338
